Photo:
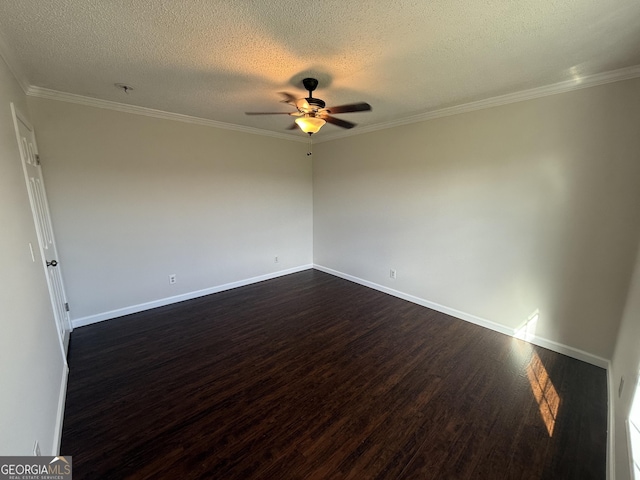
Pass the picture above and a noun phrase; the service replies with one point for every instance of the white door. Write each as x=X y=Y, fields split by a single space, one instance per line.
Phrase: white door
x=41 y=217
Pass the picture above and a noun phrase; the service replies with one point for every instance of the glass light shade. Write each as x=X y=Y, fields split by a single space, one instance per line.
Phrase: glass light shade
x=310 y=124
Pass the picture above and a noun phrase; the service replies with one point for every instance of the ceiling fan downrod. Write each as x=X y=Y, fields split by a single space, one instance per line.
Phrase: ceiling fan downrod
x=310 y=84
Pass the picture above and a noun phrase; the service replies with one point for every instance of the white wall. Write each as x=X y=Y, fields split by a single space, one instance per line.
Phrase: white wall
x=495 y=213
x=32 y=369
x=136 y=198
x=626 y=362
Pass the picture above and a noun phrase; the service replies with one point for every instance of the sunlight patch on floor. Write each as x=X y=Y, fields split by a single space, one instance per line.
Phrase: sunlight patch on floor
x=544 y=392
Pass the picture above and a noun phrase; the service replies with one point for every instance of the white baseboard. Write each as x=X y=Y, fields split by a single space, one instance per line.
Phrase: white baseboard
x=420 y=301
x=83 y=321
x=62 y=398
x=536 y=340
x=570 y=352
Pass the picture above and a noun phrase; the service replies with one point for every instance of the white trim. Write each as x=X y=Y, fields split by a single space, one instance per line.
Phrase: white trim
x=532 y=93
x=626 y=73
x=632 y=467
x=632 y=475
x=57 y=433
x=83 y=321
x=570 y=351
x=542 y=342
x=419 y=301
x=150 y=112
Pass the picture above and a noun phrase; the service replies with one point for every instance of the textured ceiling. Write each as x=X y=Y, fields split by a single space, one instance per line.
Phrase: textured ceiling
x=217 y=59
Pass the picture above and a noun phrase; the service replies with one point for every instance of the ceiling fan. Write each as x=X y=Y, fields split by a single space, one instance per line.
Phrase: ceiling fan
x=312 y=113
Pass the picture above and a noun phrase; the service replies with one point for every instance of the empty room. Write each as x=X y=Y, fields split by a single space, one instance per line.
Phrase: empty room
x=321 y=240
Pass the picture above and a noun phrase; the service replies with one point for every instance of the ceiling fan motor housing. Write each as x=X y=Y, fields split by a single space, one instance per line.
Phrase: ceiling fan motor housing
x=311 y=84
x=316 y=102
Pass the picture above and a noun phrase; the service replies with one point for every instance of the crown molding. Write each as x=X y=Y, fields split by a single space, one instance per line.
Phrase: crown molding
x=150 y=112
x=6 y=54
x=556 y=88
x=538 y=92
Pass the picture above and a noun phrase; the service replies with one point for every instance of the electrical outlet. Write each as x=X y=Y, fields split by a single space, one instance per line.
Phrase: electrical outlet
x=276 y=259
x=36 y=449
x=172 y=279
x=392 y=274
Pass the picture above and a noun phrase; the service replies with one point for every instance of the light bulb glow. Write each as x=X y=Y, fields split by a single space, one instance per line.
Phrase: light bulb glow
x=310 y=124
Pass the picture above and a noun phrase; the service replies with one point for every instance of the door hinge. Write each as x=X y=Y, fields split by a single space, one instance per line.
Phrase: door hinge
x=66 y=306
x=37 y=159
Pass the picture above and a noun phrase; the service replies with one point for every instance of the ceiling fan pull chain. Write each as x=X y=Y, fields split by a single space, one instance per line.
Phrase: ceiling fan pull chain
x=310 y=152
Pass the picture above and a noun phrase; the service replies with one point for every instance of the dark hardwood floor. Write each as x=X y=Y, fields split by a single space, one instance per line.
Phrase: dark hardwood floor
x=310 y=376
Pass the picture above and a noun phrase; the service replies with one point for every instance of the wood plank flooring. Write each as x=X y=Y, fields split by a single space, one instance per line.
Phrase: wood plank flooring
x=309 y=376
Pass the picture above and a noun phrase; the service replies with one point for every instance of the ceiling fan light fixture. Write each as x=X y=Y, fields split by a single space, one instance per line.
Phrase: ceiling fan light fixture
x=312 y=112
x=309 y=124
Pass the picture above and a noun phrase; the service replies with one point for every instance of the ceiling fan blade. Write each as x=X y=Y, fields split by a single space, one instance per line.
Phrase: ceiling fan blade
x=293 y=126
x=302 y=104
x=288 y=98
x=270 y=113
x=352 y=107
x=337 y=121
